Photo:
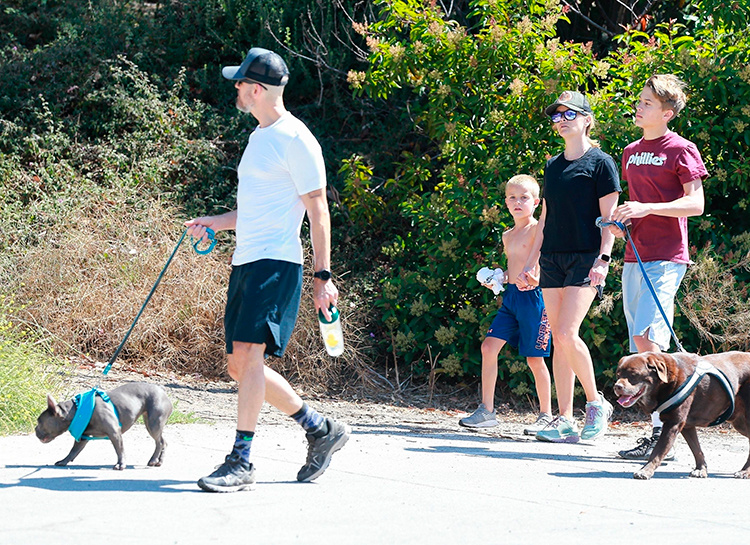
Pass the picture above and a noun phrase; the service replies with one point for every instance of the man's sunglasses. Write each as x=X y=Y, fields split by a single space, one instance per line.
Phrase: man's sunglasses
x=569 y=115
x=255 y=82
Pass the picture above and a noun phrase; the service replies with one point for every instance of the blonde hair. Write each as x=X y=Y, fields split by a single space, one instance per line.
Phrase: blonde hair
x=589 y=128
x=670 y=90
x=527 y=182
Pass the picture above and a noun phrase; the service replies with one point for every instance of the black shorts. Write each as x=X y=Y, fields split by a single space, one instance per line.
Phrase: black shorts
x=560 y=270
x=262 y=304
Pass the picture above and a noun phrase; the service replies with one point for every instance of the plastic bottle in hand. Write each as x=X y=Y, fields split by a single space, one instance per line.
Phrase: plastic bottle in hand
x=333 y=338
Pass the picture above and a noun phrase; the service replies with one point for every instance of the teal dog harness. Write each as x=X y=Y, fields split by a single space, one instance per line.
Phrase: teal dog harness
x=85 y=409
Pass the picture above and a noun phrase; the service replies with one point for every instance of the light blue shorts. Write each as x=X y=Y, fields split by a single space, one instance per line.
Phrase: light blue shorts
x=640 y=308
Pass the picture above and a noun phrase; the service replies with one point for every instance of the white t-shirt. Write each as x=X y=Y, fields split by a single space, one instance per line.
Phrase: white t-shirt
x=280 y=163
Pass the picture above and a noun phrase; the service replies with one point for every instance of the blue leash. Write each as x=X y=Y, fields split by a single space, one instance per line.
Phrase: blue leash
x=601 y=223
x=212 y=240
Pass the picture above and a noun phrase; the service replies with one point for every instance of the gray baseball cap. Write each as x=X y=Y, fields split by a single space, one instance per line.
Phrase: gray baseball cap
x=260 y=65
x=573 y=100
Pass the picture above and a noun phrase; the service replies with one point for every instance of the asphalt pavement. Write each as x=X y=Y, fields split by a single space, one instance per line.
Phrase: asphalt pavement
x=396 y=484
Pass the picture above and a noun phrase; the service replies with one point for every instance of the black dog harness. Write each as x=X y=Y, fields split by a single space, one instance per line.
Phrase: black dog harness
x=702 y=369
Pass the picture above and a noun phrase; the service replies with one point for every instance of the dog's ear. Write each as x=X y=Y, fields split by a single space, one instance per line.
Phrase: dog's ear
x=658 y=362
x=52 y=404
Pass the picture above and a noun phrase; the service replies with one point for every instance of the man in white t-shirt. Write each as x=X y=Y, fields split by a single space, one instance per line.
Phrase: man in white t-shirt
x=281 y=177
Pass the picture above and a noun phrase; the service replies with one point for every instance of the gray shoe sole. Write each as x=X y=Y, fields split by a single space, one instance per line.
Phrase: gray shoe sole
x=485 y=424
x=208 y=487
x=568 y=439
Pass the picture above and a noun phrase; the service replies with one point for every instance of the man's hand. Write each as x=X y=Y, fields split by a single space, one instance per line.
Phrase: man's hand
x=325 y=294
x=196 y=227
x=629 y=210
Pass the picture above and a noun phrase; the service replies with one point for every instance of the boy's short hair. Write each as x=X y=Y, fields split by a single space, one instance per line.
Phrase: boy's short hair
x=670 y=90
x=525 y=181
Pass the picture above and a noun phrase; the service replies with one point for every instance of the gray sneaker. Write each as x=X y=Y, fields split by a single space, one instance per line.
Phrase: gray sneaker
x=320 y=450
x=231 y=476
x=482 y=418
x=542 y=421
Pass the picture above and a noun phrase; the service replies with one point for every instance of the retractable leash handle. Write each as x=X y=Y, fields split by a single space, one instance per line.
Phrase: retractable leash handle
x=601 y=223
x=212 y=239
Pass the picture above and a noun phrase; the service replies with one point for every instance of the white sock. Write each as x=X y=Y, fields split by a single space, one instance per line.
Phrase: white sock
x=655 y=420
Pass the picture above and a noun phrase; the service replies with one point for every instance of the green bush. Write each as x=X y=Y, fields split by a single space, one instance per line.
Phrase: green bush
x=27 y=374
x=477 y=94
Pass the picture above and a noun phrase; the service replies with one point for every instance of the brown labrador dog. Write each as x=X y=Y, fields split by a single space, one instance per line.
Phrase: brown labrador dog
x=650 y=378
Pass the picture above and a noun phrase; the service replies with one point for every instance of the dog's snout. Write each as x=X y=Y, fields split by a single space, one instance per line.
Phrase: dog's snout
x=619 y=387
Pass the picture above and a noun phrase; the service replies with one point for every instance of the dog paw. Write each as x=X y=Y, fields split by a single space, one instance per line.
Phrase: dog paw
x=699 y=473
x=61 y=463
x=119 y=467
x=642 y=475
x=156 y=463
x=745 y=474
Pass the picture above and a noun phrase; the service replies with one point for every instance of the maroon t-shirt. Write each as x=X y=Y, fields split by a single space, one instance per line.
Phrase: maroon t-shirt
x=656 y=171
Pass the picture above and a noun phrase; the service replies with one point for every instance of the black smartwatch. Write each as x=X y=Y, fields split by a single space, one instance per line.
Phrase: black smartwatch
x=324 y=275
x=605 y=258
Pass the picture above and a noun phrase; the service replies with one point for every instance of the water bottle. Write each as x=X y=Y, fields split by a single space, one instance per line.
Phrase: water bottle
x=333 y=338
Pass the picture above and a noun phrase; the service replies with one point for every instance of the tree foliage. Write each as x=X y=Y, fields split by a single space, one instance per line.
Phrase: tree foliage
x=476 y=95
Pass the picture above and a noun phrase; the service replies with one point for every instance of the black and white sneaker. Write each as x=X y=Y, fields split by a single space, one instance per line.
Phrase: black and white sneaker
x=231 y=476
x=644 y=448
x=320 y=450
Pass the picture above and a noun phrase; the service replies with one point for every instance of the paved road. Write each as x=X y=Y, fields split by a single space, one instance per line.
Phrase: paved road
x=400 y=484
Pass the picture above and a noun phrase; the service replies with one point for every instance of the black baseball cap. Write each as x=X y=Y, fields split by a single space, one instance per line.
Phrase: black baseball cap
x=260 y=65
x=573 y=100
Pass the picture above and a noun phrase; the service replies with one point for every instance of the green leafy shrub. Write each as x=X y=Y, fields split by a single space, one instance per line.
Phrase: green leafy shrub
x=476 y=95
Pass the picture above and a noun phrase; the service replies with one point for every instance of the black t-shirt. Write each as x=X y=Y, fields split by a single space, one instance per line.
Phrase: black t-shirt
x=571 y=191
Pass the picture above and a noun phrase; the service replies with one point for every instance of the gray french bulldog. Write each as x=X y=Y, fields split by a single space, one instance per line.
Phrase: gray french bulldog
x=131 y=401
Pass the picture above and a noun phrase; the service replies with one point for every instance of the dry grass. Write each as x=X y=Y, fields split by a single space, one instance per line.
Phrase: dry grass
x=715 y=305
x=85 y=283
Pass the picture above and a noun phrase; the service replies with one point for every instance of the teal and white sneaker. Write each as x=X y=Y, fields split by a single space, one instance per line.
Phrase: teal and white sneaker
x=598 y=414
x=560 y=430
x=482 y=418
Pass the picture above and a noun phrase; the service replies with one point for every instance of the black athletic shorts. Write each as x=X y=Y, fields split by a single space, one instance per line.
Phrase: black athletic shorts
x=262 y=304
x=560 y=270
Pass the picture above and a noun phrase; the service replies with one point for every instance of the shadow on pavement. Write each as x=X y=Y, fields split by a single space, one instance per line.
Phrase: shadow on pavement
x=85 y=483
x=431 y=432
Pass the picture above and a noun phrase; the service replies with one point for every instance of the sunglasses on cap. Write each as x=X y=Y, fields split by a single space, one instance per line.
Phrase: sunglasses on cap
x=569 y=115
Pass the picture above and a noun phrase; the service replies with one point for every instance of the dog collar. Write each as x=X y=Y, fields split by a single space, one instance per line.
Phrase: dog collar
x=85 y=409
x=702 y=369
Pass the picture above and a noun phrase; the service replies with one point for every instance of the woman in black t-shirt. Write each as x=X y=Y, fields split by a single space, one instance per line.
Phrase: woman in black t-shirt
x=580 y=184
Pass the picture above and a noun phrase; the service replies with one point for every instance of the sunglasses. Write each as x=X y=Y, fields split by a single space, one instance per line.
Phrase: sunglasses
x=255 y=82
x=569 y=115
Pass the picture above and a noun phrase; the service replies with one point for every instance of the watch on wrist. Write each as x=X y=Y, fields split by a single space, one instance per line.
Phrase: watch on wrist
x=323 y=274
x=605 y=258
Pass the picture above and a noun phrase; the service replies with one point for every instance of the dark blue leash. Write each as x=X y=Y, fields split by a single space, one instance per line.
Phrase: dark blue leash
x=702 y=369
x=601 y=223
x=212 y=240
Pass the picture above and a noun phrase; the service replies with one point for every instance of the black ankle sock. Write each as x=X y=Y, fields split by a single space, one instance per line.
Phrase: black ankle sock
x=322 y=430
